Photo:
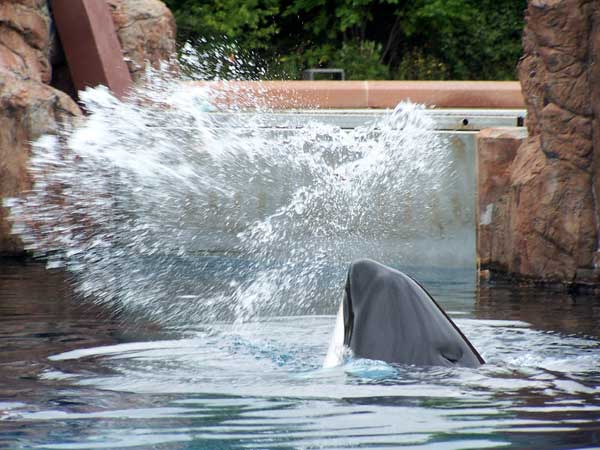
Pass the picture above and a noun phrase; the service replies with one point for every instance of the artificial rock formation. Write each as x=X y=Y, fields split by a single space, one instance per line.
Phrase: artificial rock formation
x=496 y=151
x=28 y=110
x=547 y=217
x=25 y=39
x=29 y=107
x=146 y=30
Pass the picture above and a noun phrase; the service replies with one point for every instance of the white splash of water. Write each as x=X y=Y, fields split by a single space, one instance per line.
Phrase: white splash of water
x=336 y=352
x=137 y=199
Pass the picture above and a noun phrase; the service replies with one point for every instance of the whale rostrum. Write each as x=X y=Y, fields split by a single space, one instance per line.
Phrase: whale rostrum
x=386 y=315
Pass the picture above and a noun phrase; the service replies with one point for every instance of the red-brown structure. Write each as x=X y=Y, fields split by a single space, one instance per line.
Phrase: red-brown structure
x=541 y=222
x=91 y=45
x=367 y=94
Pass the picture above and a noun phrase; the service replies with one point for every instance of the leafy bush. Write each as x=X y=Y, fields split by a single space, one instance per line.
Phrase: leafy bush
x=369 y=39
x=414 y=65
x=360 y=60
x=248 y=21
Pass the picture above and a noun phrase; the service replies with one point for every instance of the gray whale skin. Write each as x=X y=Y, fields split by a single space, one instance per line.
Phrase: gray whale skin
x=388 y=316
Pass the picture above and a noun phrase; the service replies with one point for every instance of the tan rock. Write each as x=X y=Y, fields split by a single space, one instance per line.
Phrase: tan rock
x=552 y=222
x=20 y=59
x=548 y=224
x=28 y=109
x=146 y=30
x=496 y=150
x=25 y=39
x=566 y=136
x=558 y=61
x=35 y=4
x=561 y=24
x=570 y=93
x=532 y=73
x=31 y=21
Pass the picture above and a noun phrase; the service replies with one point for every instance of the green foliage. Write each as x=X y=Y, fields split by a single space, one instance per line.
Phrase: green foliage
x=417 y=66
x=369 y=39
x=330 y=18
x=474 y=39
x=361 y=61
x=247 y=20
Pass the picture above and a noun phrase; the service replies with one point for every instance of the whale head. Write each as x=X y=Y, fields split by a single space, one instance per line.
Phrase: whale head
x=388 y=316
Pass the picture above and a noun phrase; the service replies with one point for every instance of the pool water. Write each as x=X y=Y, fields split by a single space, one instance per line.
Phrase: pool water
x=74 y=375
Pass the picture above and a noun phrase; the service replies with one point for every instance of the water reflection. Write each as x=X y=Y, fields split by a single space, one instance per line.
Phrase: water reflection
x=74 y=376
x=40 y=316
x=544 y=309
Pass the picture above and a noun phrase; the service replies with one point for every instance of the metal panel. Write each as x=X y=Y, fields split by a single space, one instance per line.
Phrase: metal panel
x=443 y=119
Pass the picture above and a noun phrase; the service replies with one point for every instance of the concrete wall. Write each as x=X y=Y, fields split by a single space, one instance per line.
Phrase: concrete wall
x=447 y=239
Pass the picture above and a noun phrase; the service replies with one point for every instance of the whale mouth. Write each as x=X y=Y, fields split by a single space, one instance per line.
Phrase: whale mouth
x=451 y=356
x=348 y=313
x=389 y=316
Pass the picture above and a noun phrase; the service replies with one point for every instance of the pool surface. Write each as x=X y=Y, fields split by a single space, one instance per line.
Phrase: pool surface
x=74 y=375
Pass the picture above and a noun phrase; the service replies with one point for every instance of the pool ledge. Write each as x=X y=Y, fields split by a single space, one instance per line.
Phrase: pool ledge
x=368 y=94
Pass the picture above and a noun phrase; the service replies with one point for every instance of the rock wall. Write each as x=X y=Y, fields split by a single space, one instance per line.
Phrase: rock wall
x=25 y=39
x=496 y=151
x=30 y=107
x=548 y=217
x=146 y=30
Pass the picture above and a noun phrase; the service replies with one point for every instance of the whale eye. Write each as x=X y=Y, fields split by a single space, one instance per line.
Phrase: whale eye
x=451 y=359
x=451 y=355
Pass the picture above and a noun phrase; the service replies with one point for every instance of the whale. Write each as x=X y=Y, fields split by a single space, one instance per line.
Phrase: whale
x=386 y=315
